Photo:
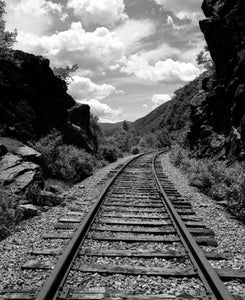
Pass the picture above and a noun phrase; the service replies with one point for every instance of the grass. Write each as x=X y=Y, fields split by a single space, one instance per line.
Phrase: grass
x=214 y=178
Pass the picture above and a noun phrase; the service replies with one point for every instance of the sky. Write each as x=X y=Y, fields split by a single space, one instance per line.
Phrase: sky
x=132 y=54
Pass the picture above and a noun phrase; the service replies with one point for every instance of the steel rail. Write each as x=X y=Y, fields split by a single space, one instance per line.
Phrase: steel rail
x=51 y=287
x=215 y=287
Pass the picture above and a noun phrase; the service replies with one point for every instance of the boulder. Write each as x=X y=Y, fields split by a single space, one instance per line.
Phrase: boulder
x=28 y=210
x=49 y=199
x=18 y=148
x=18 y=175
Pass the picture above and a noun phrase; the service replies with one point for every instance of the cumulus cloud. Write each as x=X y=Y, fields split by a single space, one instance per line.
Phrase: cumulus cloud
x=30 y=16
x=180 y=5
x=133 y=31
x=89 y=50
x=159 y=99
x=171 y=23
x=103 y=111
x=162 y=71
x=190 y=9
x=84 y=88
x=163 y=51
x=100 y=12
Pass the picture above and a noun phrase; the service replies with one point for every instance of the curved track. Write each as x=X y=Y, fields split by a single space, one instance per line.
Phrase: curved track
x=139 y=228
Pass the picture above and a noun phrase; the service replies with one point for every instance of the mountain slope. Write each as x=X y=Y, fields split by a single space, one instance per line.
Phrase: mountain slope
x=173 y=115
x=110 y=128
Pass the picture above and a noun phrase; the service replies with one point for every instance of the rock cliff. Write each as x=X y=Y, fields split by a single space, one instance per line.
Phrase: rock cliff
x=33 y=101
x=218 y=125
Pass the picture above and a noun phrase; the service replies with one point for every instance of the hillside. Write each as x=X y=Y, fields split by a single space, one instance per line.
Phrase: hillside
x=174 y=115
x=110 y=128
x=208 y=114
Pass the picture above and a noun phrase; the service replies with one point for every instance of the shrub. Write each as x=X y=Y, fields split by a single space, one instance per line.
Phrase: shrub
x=32 y=193
x=48 y=147
x=73 y=164
x=65 y=162
x=135 y=150
x=110 y=153
x=177 y=156
x=235 y=198
x=7 y=214
x=214 y=179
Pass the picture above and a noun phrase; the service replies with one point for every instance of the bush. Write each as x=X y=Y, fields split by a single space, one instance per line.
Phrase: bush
x=135 y=150
x=48 y=147
x=62 y=161
x=8 y=219
x=110 y=153
x=32 y=193
x=235 y=198
x=177 y=156
x=214 y=179
x=73 y=164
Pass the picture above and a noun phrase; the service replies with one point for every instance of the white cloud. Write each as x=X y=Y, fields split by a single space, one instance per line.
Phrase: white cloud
x=103 y=111
x=159 y=99
x=133 y=31
x=144 y=105
x=180 y=5
x=190 y=9
x=100 y=12
x=170 y=22
x=83 y=88
x=30 y=16
x=90 y=50
x=163 y=71
x=164 y=51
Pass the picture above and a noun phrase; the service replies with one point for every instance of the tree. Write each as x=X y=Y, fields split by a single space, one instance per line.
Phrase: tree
x=64 y=72
x=125 y=125
x=204 y=59
x=7 y=39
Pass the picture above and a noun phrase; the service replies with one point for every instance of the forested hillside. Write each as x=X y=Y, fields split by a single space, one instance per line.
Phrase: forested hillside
x=174 y=115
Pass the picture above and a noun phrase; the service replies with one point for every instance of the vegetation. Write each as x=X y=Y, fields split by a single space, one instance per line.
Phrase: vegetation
x=214 y=178
x=64 y=72
x=62 y=161
x=8 y=216
x=7 y=39
x=127 y=140
x=174 y=115
x=204 y=59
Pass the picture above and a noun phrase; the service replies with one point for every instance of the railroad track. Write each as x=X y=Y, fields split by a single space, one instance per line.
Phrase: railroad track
x=140 y=240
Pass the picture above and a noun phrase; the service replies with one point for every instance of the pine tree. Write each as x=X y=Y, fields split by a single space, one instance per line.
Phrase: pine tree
x=7 y=39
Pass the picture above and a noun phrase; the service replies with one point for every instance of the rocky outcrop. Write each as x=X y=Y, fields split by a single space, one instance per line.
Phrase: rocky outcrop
x=18 y=148
x=17 y=175
x=34 y=101
x=218 y=125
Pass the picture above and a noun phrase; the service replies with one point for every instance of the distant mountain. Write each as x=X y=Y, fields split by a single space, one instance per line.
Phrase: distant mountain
x=110 y=128
x=173 y=115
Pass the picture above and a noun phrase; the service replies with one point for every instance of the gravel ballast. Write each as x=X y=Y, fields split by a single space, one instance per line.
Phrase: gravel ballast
x=14 y=250
x=229 y=232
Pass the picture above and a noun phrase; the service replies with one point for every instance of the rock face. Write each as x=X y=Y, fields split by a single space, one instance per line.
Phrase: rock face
x=218 y=125
x=33 y=101
x=18 y=148
x=17 y=175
